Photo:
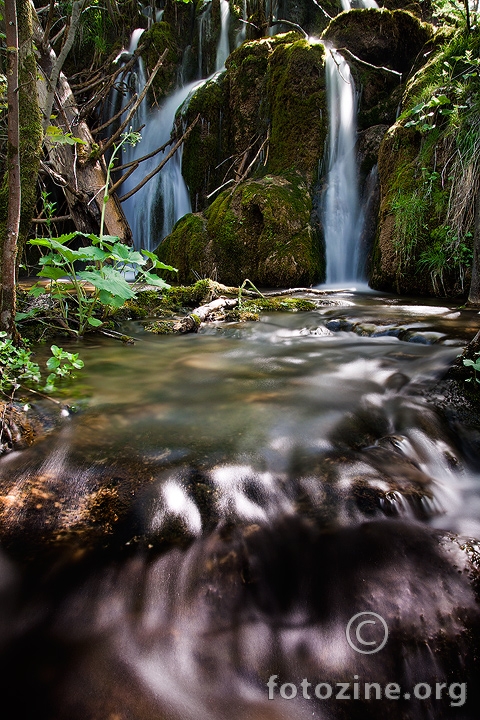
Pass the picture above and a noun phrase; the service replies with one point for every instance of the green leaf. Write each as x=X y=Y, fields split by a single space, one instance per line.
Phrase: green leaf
x=111 y=281
x=37 y=290
x=155 y=280
x=54 y=273
x=161 y=266
x=106 y=298
x=53 y=363
x=94 y=322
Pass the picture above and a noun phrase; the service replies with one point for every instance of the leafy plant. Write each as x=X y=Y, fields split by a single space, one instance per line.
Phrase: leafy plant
x=475 y=365
x=18 y=369
x=101 y=265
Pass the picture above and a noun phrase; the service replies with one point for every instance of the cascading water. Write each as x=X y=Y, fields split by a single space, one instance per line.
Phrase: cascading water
x=342 y=217
x=166 y=199
x=223 y=48
x=349 y=4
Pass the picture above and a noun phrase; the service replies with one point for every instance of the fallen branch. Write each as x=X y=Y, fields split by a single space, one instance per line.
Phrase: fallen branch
x=310 y=291
x=382 y=68
x=293 y=25
x=162 y=164
x=323 y=11
x=192 y=322
x=134 y=107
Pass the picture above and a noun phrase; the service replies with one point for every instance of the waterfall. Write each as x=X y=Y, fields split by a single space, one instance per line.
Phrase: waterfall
x=348 y=5
x=223 y=48
x=204 y=30
x=153 y=210
x=341 y=212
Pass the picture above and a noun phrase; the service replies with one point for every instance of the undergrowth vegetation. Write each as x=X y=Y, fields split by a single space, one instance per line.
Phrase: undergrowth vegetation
x=433 y=195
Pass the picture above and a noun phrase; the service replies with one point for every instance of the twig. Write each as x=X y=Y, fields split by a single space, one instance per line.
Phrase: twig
x=367 y=64
x=115 y=117
x=135 y=106
x=45 y=221
x=141 y=159
x=162 y=164
x=293 y=25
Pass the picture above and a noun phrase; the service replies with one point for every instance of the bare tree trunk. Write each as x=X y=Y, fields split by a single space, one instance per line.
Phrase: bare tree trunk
x=82 y=175
x=474 y=294
x=9 y=249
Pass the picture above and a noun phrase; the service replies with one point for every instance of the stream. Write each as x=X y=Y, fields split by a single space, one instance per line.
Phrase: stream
x=193 y=542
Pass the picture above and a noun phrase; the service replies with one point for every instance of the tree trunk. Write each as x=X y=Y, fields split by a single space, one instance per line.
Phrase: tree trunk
x=83 y=176
x=474 y=294
x=9 y=248
x=31 y=133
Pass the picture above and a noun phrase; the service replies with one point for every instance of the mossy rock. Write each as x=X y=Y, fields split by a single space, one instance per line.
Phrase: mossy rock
x=260 y=231
x=297 y=101
x=380 y=37
x=159 y=38
x=273 y=87
x=208 y=143
x=186 y=248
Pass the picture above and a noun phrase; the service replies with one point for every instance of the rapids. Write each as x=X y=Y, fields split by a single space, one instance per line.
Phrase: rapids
x=221 y=505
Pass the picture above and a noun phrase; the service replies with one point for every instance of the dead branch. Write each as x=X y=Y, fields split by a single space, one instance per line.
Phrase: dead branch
x=77 y=9
x=163 y=163
x=106 y=86
x=135 y=106
x=115 y=117
x=144 y=157
x=45 y=221
x=192 y=322
x=323 y=11
x=250 y=166
x=367 y=64
x=293 y=25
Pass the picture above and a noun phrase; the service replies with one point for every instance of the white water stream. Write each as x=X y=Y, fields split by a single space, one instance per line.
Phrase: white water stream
x=154 y=209
x=342 y=212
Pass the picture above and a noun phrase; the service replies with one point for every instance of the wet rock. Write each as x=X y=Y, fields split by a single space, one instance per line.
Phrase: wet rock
x=380 y=37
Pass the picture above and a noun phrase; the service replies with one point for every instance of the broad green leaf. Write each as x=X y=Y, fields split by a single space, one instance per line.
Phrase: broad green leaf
x=107 y=298
x=112 y=282
x=54 y=273
x=37 y=290
x=94 y=322
x=161 y=266
x=155 y=280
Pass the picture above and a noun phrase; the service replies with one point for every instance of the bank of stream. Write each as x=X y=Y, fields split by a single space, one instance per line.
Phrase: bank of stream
x=221 y=504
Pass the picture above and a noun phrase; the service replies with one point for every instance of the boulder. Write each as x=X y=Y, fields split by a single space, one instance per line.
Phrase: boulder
x=260 y=231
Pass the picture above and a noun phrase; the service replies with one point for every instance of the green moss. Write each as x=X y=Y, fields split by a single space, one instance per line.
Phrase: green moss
x=161 y=327
x=186 y=248
x=159 y=38
x=296 y=93
x=427 y=163
x=379 y=36
x=279 y=304
x=207 y=144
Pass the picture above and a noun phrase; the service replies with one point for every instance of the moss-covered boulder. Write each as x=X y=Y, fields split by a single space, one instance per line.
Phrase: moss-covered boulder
x=159 y=38
x=273 y=93
x=261 y=231
x=297 y=103
x=380 y=37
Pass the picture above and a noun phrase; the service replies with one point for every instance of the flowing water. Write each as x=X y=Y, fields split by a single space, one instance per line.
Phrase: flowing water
x=223 y=48
x=221 y=506
x=342 y=215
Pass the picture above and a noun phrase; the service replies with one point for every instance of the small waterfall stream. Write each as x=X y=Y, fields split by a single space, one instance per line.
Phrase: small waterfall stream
x=223 y=49
x=155 y=208
x=342 y=216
